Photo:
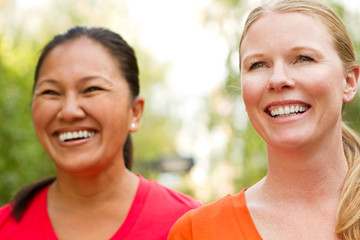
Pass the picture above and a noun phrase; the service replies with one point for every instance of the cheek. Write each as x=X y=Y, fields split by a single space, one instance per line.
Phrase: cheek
x=113 y=112
x=318 y=88
x=320 y=79
x=325 y=86
x=251 y=91
x=42 y=113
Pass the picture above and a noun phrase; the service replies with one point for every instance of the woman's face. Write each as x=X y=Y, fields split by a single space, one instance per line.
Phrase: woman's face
x=82 y=109
x=293 y=81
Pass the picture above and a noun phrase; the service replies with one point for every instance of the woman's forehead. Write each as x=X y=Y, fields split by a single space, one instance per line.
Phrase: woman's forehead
x=284 y=30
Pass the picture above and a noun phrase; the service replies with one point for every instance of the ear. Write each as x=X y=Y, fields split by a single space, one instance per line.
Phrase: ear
x=136 y=111
x=351 y=84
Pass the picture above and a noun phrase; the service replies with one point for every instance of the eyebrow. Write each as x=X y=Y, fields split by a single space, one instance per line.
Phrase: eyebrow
x=89 y=78
x=250 y=56
x=294 y=49
x=82 y=80
x=304 y=48
x=46 y=81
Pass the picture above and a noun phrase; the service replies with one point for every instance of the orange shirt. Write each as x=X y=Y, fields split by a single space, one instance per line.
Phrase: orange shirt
x=227 y=218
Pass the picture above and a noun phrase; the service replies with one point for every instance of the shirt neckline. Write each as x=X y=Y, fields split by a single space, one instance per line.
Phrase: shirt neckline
x=125 y=228
x=243 y=217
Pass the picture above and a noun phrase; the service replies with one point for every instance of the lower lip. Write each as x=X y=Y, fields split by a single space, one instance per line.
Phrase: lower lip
x=75 y=142
x=290 y=119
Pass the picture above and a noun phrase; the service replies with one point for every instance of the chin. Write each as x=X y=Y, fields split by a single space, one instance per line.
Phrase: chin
x=288 y=141
x=76 y=166
x=288 y=145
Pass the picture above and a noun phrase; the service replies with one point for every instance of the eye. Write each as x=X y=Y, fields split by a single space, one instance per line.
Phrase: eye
x=92 y=89
x=50 y=92
x=257 y=65
x=304 y=58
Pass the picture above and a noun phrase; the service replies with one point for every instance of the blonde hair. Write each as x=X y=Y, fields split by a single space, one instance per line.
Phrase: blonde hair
x=348 y=216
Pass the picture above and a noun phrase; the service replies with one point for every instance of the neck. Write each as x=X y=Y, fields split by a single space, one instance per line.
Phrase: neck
x=89 y=190
x=319 y=169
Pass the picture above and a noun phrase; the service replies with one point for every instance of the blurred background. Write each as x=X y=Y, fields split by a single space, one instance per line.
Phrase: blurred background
x=195 y=136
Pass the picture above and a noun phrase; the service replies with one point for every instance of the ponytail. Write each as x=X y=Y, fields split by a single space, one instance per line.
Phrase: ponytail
x=128 y=152
x=25 y=195
x=348 y=216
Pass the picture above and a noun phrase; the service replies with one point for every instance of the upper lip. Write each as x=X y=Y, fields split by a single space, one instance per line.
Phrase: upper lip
x=59 y=131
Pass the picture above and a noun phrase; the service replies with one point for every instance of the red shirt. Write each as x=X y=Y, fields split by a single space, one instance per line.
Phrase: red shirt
x=154 y=210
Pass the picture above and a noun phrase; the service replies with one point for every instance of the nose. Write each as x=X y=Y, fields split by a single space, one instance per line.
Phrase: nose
x=71 y=109
x=279 y=79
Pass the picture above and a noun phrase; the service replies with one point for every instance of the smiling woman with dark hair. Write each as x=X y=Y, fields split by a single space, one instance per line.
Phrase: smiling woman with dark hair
x=85 y=105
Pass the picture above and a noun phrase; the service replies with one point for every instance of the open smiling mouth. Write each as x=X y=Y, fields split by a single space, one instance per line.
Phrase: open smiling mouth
x=75 y=135
x=287 y=111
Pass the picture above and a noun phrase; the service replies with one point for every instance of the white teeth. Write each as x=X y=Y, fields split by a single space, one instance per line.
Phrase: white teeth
x=281 y=111
x=67 y=136
x=288 y=111
x=75 y=135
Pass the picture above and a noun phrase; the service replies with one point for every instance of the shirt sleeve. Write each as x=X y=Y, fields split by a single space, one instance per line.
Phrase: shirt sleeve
x=182 y=229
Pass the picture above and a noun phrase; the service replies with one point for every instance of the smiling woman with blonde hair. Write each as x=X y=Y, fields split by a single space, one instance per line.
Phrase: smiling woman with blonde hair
x=298 y=69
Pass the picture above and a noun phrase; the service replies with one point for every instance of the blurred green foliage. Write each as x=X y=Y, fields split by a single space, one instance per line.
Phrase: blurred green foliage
x=22 y=159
